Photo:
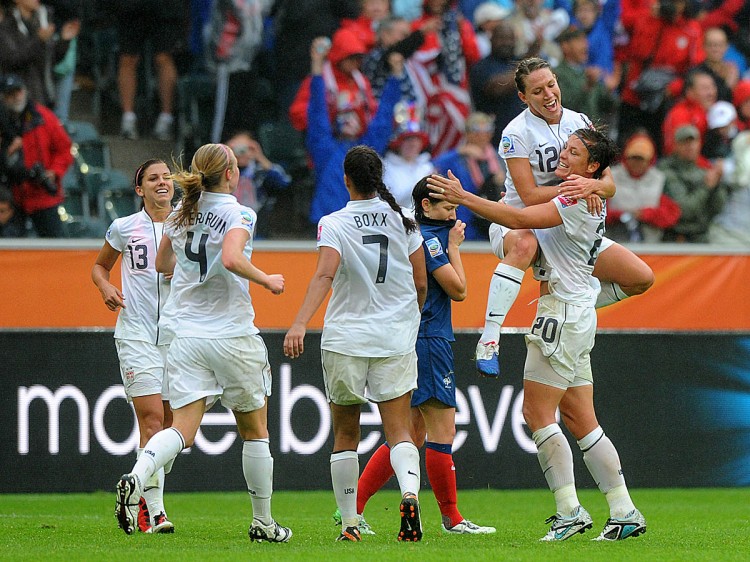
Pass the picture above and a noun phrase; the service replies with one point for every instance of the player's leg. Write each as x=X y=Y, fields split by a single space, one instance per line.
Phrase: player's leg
x=517 y=249
x=396 y=417
x=621 y=273
x=543 y=390
x=603 y=462
x=150 y=414
x=345 y=466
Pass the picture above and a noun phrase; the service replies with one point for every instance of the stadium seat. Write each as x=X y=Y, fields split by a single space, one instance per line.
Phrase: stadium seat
x=82 y=132
x=283 y=144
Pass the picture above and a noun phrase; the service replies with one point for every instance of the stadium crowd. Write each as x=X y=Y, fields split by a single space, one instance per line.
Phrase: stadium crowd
x=669 y=77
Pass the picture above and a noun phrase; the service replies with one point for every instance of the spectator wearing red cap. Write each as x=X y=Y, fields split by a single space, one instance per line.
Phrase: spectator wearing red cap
x=348 y=91
x=639 y=211
x=741 y=101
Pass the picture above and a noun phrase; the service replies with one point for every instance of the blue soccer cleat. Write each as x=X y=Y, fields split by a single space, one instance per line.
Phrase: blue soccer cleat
x=487 y=360
x=618 y=529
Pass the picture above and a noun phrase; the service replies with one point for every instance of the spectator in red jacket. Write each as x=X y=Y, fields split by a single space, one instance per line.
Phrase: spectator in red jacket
x=639 y=211
x=669 y=40
x=347 y=89
x=700 y=94
x=366 y=25
x=741 y=101
x=38 y=167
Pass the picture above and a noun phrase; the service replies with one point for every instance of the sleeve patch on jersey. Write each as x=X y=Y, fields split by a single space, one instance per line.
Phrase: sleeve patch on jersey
x=247 y=218
x=320 y=231
x=507 y=145
x=108 y=236
x=566 y=201
x=434 y=247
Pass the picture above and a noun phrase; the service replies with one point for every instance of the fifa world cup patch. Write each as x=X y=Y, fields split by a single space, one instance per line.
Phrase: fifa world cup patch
x=247 y=219
x=434 y=247
x=506 y=143
x=566 y=201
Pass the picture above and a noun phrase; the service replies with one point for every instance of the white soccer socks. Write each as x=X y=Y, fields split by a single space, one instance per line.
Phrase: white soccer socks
x=603 y=462
x=504 y=288
x=344 y=475
x=405 y=463
x=153 y=491
x=257 y=466
x=160 y=449
x=556 y=459
x=610 y=293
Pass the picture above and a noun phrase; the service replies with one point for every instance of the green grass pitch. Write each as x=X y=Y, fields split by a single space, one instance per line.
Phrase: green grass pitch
x=694 y=524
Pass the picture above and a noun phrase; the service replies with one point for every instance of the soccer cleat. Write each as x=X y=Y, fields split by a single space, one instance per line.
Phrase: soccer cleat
x=163 y=127
x=411 y=526
x=271 y=533
x=565 y=527
x=129 y=492
x=351 y=534
x=129 y=128
x=487 y=360
x=144 y=517
x=364 y=526
x=466 y=527
x=618 y=529
x=162 y=524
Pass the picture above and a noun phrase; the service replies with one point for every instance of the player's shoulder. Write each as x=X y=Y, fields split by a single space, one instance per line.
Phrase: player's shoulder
x=576 y=119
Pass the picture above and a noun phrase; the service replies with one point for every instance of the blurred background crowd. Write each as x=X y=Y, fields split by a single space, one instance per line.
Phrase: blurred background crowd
x=290 y=85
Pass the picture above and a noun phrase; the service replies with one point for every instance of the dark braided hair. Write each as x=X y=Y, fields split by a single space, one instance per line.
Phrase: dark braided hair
x=602 y=149
x=364 y=168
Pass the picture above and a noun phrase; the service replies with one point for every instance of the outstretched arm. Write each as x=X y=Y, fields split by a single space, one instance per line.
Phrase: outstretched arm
x=544 y=215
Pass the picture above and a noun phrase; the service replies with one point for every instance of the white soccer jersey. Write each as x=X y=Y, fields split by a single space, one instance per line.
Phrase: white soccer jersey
x=208 y=300
x=373 y=310
x=571 y=250
x=531 y=137
x=137 y=238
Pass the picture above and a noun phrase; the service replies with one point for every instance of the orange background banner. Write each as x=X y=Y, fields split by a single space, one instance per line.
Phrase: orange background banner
x=52 y=288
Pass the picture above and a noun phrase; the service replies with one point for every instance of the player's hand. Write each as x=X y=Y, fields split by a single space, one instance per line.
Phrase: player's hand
x=447 y=189
x=113 y=298
x=275 y=283
x=577 y=187
x=294 y=341
x=456 y=234
x=594 y=204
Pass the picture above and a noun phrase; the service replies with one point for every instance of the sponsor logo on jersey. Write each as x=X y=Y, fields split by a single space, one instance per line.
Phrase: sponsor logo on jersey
x=434 y=247
x=506 y=143
x=566 y=201
x=247 y=218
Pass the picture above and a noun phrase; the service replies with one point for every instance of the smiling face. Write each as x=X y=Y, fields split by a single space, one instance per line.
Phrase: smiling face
x=542 y=94
x=157 y=188
x=574 y=159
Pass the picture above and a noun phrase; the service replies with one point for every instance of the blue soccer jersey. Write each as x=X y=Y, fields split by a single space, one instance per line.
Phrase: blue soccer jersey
x=436 y=313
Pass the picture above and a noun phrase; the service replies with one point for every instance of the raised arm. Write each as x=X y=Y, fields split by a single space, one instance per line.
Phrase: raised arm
x=451 y=276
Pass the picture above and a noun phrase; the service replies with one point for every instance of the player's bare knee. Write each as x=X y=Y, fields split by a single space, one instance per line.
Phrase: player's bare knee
x=522 y=251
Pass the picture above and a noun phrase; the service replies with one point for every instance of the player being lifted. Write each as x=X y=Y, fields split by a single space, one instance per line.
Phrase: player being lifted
x=531 y=145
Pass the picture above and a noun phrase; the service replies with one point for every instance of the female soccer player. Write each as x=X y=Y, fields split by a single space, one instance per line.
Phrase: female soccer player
x=531 y=145
x=434 y=402
x=216 y=351
x=371 y=255
x=141 y=346
x=558 y=366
